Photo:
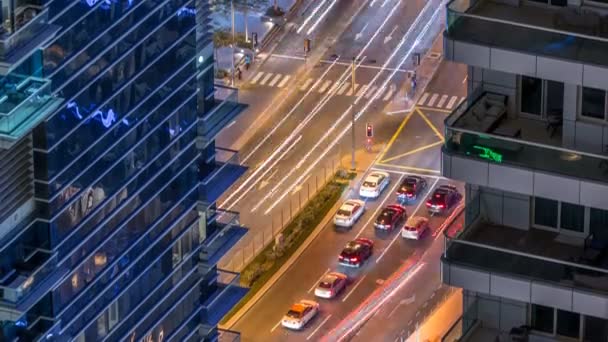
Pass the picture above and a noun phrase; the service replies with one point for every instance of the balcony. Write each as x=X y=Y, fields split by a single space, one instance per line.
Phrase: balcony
x=24 y=102
x=227 y=294
x=225 y=172
x=223 y=232
x=538 y=39
x=23 y=34
x=225 y=108
x=531 y=266
x=37 y=267
x=490 y=148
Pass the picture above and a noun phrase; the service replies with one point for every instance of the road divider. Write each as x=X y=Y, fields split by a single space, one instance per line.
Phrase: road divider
x=271 y=259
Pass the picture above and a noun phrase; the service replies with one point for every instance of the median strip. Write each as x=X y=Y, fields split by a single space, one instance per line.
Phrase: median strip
x=272 y=258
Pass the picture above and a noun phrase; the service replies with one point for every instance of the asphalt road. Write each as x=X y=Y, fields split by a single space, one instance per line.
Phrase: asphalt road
x=307 y=122
x=261 y=322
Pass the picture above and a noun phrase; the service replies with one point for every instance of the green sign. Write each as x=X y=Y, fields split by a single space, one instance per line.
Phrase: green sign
x=489 y=154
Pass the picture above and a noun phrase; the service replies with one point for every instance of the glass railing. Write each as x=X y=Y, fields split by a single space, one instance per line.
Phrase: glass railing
x=226 y=280
x=226 y=294
x=29 y=29
x=569 y=35
x=520 y=153
x=224 y=230
x=459 y=250
x=224 y=158
x=28 y=276
x=226 y=106
x=23 y=102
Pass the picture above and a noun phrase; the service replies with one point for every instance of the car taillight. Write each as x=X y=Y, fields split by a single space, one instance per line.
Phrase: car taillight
x=354 y=259
x=410 y=195
x=341 y=257
x=441 y=206
x=428 y=203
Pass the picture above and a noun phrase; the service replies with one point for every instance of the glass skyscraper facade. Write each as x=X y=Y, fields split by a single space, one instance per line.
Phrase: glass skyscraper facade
x=109 y=172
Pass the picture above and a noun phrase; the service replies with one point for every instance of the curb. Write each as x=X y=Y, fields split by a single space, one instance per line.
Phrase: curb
x=281 y=271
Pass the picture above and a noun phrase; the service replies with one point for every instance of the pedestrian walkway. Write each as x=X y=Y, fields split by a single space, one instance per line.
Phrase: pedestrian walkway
x=268 y=79
x=440 y=101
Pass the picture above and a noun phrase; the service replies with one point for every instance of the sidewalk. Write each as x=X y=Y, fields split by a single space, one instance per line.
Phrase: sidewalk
x=440 y=321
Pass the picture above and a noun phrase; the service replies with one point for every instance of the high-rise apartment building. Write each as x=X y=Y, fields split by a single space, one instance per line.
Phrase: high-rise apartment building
x=109 y=172
x=531 y=142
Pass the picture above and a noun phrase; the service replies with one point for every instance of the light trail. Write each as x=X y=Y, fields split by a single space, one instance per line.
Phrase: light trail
x=312 y=14
x=312 y=28
x=362 y=111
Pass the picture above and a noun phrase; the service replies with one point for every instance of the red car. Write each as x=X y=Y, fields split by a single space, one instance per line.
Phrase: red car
x=443 y=199
x=356 y=252
x=390 y=217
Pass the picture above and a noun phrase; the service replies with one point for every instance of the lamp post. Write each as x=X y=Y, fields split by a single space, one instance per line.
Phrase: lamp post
x=233 y=39
x=353 y=114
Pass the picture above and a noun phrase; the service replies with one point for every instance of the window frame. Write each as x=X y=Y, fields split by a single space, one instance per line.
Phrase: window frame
x=544 y=90
x=559 y=229
x=580 y=115
x=581 y=324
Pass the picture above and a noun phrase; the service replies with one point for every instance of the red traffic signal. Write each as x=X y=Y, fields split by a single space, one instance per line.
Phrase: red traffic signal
x=369 y=130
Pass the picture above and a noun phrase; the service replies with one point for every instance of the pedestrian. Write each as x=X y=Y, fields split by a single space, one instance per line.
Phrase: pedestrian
x=238 y=73
x=247 y=62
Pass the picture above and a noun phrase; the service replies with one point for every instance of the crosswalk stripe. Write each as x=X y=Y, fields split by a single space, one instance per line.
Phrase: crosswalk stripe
x=265 y=79
x=350 y=90
x=257 y=77
x=325 y=86
x=306 y=84
x=389 y=93
x=442 y=101
x=432 y=100
x=362 y=90
x=316 y=84
x=275 y=80
x=371 y=92
x=452 y=102
x=284 y=81
x=379 y=93
x=344 y=87
x=423 y=99
x=333 y=88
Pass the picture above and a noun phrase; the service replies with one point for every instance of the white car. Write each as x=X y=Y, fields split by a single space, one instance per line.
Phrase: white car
x=300 y=314
x=331 y=284
x=349 y=213
x=415 y=227
x=373 y=184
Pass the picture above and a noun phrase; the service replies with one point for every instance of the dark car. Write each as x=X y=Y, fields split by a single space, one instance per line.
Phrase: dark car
x=411 y=188
x=443 y=199
x=390 y=217
x=356 y=252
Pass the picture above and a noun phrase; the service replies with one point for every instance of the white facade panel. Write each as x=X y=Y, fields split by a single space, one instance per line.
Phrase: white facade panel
x=511 y=179
x=513 y=62
x=472 y=54
x=595 y=77
x=567 y=191
x=510 y=288
x=516 y=212
x=478 y=281
x=556 y=70
x=590 y=304
x=552 y=296
x=469 y=170
x=594 y=195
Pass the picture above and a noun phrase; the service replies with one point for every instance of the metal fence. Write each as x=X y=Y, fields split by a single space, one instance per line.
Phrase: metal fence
x=259 y=237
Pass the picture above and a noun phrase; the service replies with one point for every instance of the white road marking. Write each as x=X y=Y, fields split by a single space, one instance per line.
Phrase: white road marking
x=422 y=99
x=350 y=90
x=452 y=102
x=284 y=81
x=306 y=84
x=379 y=92
x=442 y=101
x=354 y=288
x=319 y=280
x=318 y=327
x=370 y=92
x=276 y=326
x=266 y=79
x=344 y=88
x=407 y=173
x=333 y=88
x=325 y=86
x=379 y=207
x=314 y=86
x=432 y=100
x=327 y=61
x=257 y=77
x=275 y=80
x=362 y=90
x=390 y=92
x=384 y=3
x=411 y=215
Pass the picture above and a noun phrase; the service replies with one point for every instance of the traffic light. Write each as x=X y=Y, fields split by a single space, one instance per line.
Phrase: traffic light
x=254 y=37
x=306 y=45
x=369 y=130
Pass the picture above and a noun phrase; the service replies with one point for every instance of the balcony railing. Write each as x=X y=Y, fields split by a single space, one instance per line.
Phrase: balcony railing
x=560 y=33
x=227 y=294
x=494 y=259
x=517 y=152
x=226 y=108
x=224 y=231
x=226 y=171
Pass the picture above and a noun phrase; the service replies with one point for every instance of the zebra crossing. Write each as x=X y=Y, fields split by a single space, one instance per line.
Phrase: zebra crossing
x=277 y=80
x=440 y=101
